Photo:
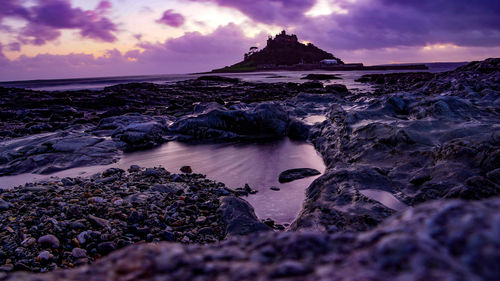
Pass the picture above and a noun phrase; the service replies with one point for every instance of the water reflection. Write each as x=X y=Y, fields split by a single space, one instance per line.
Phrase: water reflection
x=258 y=164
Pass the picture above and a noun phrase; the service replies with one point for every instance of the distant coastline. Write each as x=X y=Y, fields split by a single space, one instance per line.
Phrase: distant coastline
x=340 y=67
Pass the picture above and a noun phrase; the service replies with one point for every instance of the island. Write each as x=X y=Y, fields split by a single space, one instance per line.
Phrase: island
x=285 y=52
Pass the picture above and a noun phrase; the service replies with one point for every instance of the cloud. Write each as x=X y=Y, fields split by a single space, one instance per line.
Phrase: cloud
x=171 y=18
x=192 y=52
x=373 y=24
x=14 y=47
x=268 y=11
x=13 y=8
x=46 y=19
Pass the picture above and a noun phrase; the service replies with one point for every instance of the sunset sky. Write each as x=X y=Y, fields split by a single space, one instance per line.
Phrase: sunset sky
x=42 y=39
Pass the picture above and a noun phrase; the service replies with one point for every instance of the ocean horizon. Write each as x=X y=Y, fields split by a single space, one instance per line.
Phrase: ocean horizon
x=99 y=83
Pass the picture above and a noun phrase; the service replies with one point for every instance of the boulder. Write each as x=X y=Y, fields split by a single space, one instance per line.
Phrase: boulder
x=295 y=174
x=239 y=217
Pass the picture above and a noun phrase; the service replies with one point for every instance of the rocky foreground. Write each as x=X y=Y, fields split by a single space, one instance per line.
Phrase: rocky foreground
x=451 y=240
x=429 y=141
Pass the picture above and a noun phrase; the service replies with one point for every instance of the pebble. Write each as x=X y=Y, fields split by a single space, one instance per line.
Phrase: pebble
x=4 y=205
x=30 y=241
x=79 y=253
x=45 y=256
x=49 y=240
x=106 y=248
x=98 y=217
x=201 y=219
x=82 y=237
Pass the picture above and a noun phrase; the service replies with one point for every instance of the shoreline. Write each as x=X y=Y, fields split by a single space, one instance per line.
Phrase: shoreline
x=419 y=146
x=347 y=67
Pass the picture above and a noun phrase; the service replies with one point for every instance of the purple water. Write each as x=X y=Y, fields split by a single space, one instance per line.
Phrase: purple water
x=235 y=164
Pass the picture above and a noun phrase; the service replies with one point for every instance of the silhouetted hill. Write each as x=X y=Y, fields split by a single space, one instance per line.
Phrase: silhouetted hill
x=284 y=49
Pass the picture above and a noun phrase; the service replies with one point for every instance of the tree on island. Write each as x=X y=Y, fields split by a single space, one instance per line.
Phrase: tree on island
x=251 y=51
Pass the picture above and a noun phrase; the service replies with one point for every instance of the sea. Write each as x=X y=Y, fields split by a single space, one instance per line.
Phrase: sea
x=99 y=83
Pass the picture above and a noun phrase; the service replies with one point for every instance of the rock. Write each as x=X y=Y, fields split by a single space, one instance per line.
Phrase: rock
x=494 y=175
x=134 y=168
x=216 y=78
x=112 y=171
x=106 y=247
x=45 y=256
x=337 y=88
x=28 y=242
x=298 y=130
x=79 y=253
x=201 y=219
x=311 y=85
x=239 y=217
x=274 y=188
x=162 y=188
x=295 y=174
x=168 y=236
x=313 y=76
x=186 y=169
x=49 y=240
x=289 y=269
x=82 y=237
x=4 y=205
x=459 y=237
x=103 y=223
x=265 y=120
x=52 y=152
x=136 y=131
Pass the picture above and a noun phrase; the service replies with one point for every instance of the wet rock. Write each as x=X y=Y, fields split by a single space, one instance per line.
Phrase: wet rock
x=216 y=78
x=311 y=85
x=313 y=76
x=239 y=217
x=264 y=120
x=298 y=130
x=295 y=174
x=337 y=88
x=135 y=130
x=186 y=169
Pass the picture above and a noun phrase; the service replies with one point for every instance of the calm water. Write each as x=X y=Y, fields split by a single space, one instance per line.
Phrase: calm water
x=348 y=78
x=258 y=164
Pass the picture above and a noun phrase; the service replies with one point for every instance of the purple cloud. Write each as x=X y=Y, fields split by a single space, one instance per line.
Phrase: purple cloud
x=192 y=52
x=13 y=8
x=379 y=24
x=372 y=24
x=47 y=17
x=268 y=11
x=14 y=47
x=171 y=18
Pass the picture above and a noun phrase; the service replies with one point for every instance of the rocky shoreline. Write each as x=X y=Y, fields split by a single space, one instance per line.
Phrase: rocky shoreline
x=418 y=137
x=74 y=221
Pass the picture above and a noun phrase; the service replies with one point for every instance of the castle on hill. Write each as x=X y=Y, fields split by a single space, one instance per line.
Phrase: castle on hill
x=282 y=38
x=284 y=50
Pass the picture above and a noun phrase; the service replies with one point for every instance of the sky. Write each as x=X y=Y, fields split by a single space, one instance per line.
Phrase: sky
x=52 y=39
